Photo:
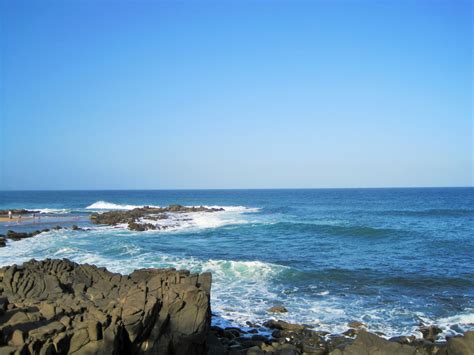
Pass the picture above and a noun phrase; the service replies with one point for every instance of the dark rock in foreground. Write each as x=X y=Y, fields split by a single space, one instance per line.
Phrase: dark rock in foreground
x=131 y=218
x=60 y=307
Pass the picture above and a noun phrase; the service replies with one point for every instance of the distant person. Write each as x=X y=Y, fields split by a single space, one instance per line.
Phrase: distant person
x=10 y=215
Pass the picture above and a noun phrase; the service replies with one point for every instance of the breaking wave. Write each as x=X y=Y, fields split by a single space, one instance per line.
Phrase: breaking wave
x=104 y=205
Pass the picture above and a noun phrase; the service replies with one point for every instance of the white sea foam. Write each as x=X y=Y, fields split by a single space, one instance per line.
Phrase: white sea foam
x=104 y=205
x=467 y=318
x=53 y=210
x=457 y=324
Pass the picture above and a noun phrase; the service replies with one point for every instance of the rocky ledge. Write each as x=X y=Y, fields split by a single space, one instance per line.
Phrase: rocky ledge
x=60 y=307
x=133 y=217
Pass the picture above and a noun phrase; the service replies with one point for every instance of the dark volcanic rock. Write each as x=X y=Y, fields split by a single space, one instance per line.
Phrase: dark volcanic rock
x=282 y=325
x=140 y=227
x=153 y=213
x=461 y=345
x=368 y=343
x=57 y=306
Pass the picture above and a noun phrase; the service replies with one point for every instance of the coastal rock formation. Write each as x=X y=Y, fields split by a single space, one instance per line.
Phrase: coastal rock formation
x=60 y=307
x=132 y=217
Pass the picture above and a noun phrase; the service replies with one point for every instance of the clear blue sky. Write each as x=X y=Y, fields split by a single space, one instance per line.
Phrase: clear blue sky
x=235 y=94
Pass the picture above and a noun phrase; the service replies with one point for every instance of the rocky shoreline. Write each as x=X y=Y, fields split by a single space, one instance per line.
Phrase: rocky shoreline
x=60 y=307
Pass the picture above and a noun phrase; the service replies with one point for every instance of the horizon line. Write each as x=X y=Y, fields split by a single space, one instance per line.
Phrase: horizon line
x=247 y=189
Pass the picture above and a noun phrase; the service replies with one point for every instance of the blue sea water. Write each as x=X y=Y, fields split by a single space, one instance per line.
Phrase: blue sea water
x=391 y=258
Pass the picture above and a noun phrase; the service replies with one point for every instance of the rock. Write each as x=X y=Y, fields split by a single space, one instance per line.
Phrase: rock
x=76 y=228
x=461 y=345
x=67 y=308
x=18 y=338
x=356 y=325
x=277 y=309
x=279 y=324
x=350 y=333
x=3 y=241
x=214 y=346
x=255 y=350
x=430 y=332
x=132 y=217
x=140 y=227
x=368 y=343
x=403 y=339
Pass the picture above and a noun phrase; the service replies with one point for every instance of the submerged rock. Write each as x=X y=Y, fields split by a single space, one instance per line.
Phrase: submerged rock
x=57 y=306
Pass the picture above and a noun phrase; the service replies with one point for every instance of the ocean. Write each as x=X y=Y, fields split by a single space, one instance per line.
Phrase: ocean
x=390 y=258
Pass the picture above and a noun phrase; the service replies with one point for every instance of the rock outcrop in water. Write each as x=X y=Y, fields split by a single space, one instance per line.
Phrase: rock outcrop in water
x=132 y=217
x=60 y=307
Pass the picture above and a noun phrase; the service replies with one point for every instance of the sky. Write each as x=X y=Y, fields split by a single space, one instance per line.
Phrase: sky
x=99 y=94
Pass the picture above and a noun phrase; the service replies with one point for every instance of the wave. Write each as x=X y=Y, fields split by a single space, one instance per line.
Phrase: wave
x=104 y=205
x=464 y=319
